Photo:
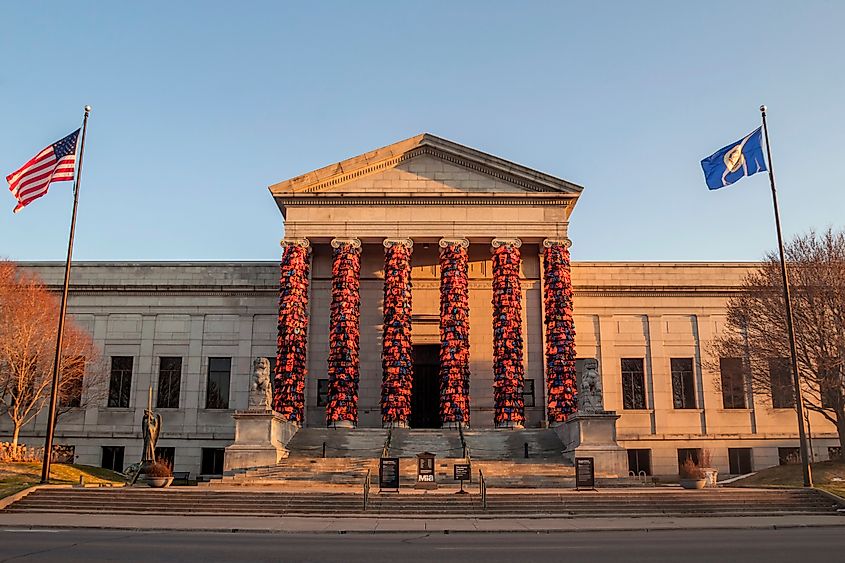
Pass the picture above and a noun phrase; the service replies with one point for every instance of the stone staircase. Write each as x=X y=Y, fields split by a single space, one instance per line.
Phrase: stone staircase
x=340 y=442
x=187 y=501
x=349 y=453
x=541 y=444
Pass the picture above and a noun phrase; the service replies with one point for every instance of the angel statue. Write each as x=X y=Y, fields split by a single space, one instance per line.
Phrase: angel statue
x=152 y=428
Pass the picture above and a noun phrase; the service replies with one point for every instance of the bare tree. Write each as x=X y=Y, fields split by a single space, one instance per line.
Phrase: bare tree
x=28 y=320
x=756 y=326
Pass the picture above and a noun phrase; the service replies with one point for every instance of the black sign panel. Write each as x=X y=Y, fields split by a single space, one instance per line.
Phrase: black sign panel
x=388 y=473
x=426 y=478
x=585 y=473
x=462 y=472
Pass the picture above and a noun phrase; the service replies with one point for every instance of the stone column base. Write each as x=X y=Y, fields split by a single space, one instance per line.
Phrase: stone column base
x=260 y=440
x=594 y=435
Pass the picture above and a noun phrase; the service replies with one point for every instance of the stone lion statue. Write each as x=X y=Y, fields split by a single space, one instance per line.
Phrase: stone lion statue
x=260 y=385
x=589 y=391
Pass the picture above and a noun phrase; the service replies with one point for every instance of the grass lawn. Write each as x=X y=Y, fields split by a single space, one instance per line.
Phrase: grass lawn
x=828 y=475
x=17 y=476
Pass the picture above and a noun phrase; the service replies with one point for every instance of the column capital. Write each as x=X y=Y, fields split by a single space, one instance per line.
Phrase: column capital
x=515 y=242
x=303 y=242
x=338 y=242
x=550 y=242
x=408 y=243
x=444 y=242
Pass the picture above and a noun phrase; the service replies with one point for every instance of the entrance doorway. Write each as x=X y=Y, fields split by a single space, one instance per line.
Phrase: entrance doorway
x=425 y=391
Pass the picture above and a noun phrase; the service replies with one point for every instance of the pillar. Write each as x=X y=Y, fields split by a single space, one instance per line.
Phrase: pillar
x=397 y=363
x=454 y=332
x=561 y=387
x=344 y=334
x=292 y=343
x=508 y=368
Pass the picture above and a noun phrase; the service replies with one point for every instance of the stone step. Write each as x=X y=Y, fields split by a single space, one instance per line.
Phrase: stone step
x=543 y=443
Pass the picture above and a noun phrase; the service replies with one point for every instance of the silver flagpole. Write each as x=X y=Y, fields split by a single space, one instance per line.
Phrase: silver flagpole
x=790 y=328
x=54 y=390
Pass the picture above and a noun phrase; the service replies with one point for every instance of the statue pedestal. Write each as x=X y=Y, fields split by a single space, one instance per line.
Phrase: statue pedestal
x=594 y=435
x=260 y=439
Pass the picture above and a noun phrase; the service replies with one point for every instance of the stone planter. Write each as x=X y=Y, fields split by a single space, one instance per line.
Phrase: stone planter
x=159 y=482
x=693 y=483
x=711 y=477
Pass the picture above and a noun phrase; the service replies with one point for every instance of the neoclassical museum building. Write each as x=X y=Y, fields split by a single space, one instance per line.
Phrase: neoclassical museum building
x=424 y=285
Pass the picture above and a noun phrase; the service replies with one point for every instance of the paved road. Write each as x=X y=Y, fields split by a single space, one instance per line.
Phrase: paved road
x=806 y=545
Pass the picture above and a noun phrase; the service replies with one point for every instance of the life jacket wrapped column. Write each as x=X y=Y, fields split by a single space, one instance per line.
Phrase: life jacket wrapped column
x=508 y=368
x=292 y=344
x=454 y=333
x=560 y=332
x=397 y=362
x=344 y=334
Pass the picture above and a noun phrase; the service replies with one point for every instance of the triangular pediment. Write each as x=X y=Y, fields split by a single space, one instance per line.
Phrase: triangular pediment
x=425 y=165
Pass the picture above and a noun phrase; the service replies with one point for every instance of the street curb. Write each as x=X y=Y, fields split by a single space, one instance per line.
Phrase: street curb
x=420 y=531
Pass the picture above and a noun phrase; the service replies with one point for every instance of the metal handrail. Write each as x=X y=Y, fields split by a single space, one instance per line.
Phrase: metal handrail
x=367 y=490
x=482 y=489
x=385 y=451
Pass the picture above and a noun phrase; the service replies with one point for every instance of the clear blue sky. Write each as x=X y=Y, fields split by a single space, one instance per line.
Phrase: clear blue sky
x=199 y=106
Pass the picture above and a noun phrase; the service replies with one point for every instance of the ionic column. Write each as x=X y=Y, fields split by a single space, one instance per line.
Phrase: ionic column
x=508 y=368
x=292 y=342
x=396 y=359
x=454 y=332
x=344 y=333
x=561 y=388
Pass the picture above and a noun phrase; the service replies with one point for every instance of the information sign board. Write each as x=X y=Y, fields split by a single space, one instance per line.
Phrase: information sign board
x=585 y=473
x=388 y=473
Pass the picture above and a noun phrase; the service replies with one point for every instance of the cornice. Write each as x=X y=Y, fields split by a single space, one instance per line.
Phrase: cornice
x=261 y=291
x=421 y=200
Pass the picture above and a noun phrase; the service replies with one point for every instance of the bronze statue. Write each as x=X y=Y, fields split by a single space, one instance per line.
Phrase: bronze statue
x=152 y=427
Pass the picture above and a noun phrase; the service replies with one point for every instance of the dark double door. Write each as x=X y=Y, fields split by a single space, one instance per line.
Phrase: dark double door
x=425 y=390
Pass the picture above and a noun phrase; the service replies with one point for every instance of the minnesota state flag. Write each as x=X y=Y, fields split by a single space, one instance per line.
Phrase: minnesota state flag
x=735 y=161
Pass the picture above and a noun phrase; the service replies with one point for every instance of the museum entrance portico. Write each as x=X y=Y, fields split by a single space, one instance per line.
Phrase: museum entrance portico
x=425 y=282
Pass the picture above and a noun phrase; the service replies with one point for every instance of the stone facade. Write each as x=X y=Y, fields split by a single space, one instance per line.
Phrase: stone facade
x=654 y=311
x=425 y=190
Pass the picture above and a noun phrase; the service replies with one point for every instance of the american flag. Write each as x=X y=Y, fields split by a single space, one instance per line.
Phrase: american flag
x=56 y=163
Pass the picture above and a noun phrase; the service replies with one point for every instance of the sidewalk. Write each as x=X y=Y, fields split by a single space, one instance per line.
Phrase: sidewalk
x=300 y=525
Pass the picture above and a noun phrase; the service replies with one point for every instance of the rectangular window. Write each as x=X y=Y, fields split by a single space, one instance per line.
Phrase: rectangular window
x=639 y=461
x=212 y=461
x=62 y=453
x=830 y=387
x=788 y=456
x=217 y=393
x=683 y=383
x=120 y=382
x=688 y=453
x=322 y=392
x=73 y=371
x=166 y=455
x=528 y=393
x=739 y=460
x=780 y=377
x=633 y=383
x=113 y=458
x=169 y=382
x=732 y=374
